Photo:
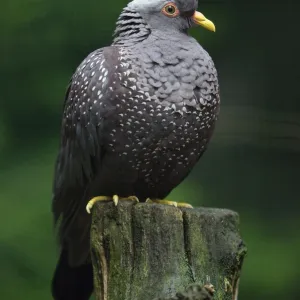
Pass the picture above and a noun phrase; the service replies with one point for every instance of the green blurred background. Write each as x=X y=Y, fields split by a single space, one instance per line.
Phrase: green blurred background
x=252 y=165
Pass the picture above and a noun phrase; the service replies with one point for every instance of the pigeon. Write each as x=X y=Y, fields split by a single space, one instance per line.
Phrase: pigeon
x=137 y=117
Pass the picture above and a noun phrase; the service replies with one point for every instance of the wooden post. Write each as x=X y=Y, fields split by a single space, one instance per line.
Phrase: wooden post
x=146 y=251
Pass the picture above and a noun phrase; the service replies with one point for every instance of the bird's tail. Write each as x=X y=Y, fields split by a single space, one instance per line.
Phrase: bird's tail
x=72 y=283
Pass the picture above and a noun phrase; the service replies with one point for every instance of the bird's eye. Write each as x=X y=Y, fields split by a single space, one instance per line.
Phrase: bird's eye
x=170 y=10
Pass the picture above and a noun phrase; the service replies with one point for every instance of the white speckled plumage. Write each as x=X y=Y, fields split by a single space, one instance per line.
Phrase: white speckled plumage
x=137 y=117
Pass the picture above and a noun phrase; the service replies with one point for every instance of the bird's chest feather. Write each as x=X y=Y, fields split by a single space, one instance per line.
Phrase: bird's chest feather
x=147 y=134
x=164 y=98
x=166 y=108
x=177 y=76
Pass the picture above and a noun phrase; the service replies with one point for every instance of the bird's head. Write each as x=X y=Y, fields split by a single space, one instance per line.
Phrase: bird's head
x=171 y=14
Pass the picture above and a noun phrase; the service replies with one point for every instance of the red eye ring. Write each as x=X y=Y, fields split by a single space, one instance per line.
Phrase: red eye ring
x=170 y=10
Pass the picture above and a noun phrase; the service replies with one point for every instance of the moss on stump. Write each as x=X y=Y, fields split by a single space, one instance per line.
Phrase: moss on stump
x=146 y=251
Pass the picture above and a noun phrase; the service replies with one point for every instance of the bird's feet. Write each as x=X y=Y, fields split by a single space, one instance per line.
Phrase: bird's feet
x=168 y=202
x=114 y=198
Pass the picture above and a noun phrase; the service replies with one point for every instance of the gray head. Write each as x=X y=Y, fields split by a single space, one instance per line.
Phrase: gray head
x=170 y=15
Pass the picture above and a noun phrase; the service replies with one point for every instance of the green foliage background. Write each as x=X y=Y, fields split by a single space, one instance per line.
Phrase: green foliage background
x=252 y=164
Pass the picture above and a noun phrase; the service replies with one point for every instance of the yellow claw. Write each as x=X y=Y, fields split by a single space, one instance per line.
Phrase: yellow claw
x=131 y=198
x=159 y=201
x=168 y=202
x=184 y=204
x=114 y=198
x=94 y=200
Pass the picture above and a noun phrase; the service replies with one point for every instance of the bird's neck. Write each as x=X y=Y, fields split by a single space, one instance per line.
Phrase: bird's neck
x=131 y=28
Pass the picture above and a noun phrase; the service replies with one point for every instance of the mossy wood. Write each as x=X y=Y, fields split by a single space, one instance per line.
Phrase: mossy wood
x=146 y=251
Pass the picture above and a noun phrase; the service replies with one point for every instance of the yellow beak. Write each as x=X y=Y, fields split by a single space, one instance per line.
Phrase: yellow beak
x=199 y=19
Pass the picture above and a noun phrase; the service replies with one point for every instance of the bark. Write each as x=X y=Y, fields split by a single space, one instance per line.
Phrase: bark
x=146 y=251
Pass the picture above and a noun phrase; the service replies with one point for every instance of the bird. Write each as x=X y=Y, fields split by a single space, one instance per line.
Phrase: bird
x=137 y=117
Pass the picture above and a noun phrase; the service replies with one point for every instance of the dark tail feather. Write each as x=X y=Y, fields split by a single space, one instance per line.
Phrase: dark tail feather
x=70 y=283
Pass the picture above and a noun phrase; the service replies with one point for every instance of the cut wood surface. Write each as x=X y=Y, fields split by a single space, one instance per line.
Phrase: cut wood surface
x=145 y=251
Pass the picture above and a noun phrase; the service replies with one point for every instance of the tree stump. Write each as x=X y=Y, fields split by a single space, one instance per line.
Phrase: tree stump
x=145 y=251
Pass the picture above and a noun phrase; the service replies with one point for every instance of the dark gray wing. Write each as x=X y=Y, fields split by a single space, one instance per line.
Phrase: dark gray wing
x=87 y=105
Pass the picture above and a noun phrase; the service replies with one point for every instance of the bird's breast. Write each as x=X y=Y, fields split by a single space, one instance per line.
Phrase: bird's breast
x=166 y=108
x=177 y=76
x=150 y=136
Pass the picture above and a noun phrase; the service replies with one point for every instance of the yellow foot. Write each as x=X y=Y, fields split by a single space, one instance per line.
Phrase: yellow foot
x=165 y=202
x=129 y=198
x=168 y=202
x=114 y=198
x=183 y=204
